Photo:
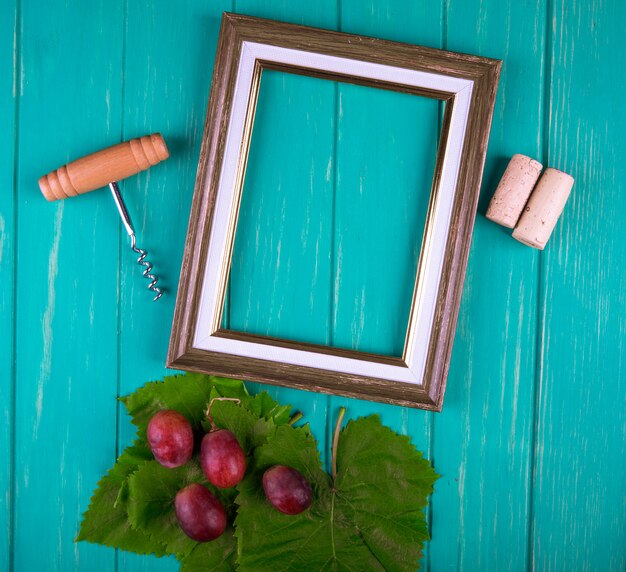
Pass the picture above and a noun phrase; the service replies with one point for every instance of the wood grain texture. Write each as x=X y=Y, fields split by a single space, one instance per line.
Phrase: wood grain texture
x=386 y=188
x=419 y=23
x=102 y=167
x=522 y=487
x=579 y=510
x=9 y=85
x=66 y=344
x=482 y=440
x=322 y=13
x=169 y=57
x=273 y=275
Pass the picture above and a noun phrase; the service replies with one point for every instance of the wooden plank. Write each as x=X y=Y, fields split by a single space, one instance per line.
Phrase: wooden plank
x=386 y=153
x=482 y=439
x=303 y=252
x=359 y=161
x=169 y=62
x=358 y=152
x=580 y=475
x=69 y=90
x=282 y=269
x=281 y=263
x=9 y=76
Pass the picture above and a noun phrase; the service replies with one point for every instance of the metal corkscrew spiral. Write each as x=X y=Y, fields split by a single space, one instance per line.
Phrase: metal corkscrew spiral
x=147 y=272
x=147 y=268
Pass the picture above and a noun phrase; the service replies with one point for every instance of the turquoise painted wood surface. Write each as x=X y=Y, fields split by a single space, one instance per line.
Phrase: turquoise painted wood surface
x=531 y=442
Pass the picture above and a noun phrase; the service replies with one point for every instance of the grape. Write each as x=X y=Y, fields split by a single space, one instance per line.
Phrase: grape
x=200 y=513
x=222 y=458
x=287 y=490
x=170 y=438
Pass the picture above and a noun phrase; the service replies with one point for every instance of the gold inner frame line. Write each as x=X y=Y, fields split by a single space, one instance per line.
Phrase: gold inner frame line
x=226 y=262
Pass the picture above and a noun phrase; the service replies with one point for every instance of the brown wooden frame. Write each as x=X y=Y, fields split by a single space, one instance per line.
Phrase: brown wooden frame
x=481 y=72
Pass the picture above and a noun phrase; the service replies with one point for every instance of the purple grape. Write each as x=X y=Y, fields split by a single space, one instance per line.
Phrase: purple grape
x=287 y=490
x=222 y=458
x=171 y=438
x=200 y=513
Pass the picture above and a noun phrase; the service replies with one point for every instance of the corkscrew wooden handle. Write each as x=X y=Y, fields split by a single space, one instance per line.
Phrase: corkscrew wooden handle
x=103 y=167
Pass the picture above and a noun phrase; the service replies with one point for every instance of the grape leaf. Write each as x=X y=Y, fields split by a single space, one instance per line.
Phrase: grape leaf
x=188 y=394
x=263 y=405
x=232 y=390
x=106 y=520
x=152 y=489
x=249 y=429
x=218 y=555
x=143 y=493
x=371 y=519
x=386 y=504
x=251 y=420
x=295 y=447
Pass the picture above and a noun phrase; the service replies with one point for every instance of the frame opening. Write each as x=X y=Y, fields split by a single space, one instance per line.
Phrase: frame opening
x=322 y=154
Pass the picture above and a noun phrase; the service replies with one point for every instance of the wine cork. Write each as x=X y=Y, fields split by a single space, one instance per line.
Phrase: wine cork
x=544 y=208
x=513 y=190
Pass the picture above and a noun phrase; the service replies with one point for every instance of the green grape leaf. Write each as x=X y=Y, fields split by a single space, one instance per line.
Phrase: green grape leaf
x=251 y=420
x=263 y=405
x=249 y=429
x=152 y=489
x=371 y=518
x=218 y=555
x=229 y=390
x=294 y=447
x=106 y=520
x=188 y=394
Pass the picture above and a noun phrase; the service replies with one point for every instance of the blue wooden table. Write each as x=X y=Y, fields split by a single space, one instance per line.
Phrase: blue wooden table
x=531 y=442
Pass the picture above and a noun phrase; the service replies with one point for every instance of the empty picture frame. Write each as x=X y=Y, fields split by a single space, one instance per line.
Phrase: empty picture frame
x=467 y=84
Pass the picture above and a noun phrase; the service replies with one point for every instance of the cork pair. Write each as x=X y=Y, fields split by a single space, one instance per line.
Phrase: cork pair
x=532 y=208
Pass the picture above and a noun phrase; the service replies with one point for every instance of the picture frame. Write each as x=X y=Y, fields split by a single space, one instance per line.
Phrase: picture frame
x=467 y=84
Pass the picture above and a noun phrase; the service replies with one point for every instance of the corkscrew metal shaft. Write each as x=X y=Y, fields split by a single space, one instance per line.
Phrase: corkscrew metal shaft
x=104 y=168
x=128 y=225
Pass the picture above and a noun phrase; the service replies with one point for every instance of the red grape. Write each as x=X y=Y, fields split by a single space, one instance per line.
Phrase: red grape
x=222 y=458
x=200 y=513
x=171 y=438
x=287 y=490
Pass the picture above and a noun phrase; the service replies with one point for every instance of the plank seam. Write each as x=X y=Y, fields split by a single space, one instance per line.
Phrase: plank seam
x=118 y=317
x=17 y=92
x=444 y=24
x=443 y=43
x=333 y=220
x=329 y=426
x=540 y=296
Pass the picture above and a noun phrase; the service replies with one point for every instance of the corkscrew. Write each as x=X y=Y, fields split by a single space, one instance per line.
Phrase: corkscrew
x=107 y=167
